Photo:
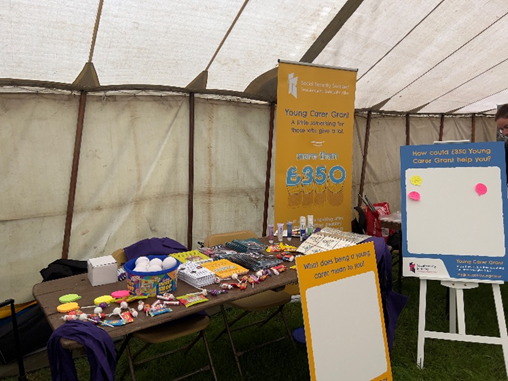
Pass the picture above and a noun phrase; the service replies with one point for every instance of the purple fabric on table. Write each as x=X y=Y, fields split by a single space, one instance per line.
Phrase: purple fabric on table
x=393 y=302
x=393 y=305
x=153 y=246
x=99 y=348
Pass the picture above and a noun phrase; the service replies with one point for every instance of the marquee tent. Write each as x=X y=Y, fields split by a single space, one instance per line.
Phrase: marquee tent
x=123 y=120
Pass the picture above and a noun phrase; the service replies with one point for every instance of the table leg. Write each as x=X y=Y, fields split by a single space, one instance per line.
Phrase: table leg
x=122 y=347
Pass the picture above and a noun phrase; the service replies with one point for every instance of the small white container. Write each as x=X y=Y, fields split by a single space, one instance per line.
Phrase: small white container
x=102 y=270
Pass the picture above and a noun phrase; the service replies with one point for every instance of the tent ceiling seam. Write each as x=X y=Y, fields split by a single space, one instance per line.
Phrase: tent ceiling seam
x=400 y=41
x=469 y=80
x=95 y=30
x=227 y=34
x=451 y=54
x=478 y=100
x=342 y=16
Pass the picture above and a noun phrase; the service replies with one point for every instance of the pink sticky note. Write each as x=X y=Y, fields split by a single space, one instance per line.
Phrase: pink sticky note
x=414 y=196
x=481 y=189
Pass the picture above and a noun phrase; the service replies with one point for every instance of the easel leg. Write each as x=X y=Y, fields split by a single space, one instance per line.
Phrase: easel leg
x=453 y=310
x=461 y=315
x=501 y=322
x=421 y=322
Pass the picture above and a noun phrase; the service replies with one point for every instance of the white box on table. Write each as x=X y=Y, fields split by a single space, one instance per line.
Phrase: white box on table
x=102 y=270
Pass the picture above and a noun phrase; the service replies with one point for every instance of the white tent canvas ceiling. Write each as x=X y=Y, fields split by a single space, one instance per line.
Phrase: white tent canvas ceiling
x=436 y=56
x=175 y=101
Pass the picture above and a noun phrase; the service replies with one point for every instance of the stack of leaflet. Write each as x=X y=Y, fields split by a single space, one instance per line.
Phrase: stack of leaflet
x=330 y=239
x=195 y=274
x=217 y=252
x=191 y=256
x=254 y=261
x=224 y=268
x=244 y=245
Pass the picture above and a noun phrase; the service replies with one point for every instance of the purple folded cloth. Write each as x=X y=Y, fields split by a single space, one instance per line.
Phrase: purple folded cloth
x=153 y=246
x=99 y=348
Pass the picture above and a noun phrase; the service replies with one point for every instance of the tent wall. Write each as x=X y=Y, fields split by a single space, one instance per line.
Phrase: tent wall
x=382 y=171
x=132 y=179
x=36 y=144
x=133 y=176
x=388 y=133
x=230 y=167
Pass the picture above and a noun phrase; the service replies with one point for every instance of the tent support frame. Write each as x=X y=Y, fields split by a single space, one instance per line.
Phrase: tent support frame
x=74 y=175
x=190 y=201
x=365 y=153
x=268 y=167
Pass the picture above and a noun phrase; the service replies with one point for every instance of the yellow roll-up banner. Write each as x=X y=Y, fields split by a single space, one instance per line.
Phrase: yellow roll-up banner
x=314 y=144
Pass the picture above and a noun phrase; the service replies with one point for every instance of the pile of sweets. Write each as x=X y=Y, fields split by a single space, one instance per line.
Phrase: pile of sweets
x=243 y=281
x=120 y=316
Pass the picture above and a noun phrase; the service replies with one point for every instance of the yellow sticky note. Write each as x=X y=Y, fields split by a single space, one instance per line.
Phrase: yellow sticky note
x=416 y=180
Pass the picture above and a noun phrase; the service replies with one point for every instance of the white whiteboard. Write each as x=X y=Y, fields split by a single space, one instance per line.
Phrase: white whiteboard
x=346 y=330
x=450 y=217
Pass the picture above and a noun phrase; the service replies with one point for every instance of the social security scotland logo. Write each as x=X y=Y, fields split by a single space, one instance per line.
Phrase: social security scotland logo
x=425 y=268
x=293 y=82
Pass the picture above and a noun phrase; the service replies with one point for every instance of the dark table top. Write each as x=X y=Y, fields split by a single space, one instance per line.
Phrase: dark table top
x=48 y=293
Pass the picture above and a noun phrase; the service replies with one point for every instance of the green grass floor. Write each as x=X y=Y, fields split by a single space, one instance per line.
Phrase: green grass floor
x=444 y=360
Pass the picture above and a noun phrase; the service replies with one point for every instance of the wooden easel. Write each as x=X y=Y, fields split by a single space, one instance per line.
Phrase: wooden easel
x=457 y=315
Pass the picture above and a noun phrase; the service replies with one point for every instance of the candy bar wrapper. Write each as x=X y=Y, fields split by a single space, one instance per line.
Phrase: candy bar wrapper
x=190 y=300
x=115 y=322
x=127 y=317
x=160 y=311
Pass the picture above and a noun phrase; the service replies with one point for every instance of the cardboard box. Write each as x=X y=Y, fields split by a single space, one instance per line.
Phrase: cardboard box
x=102 y=270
